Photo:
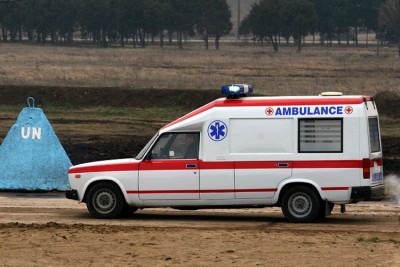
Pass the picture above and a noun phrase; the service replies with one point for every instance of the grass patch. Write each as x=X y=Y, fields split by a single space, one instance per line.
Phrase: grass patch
x=315 y=69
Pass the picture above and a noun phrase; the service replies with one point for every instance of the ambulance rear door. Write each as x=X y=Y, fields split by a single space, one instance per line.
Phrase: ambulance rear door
x=375 y=147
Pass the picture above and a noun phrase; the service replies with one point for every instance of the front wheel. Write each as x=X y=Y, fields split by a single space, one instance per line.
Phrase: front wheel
x=105 y=201
x=300 y=204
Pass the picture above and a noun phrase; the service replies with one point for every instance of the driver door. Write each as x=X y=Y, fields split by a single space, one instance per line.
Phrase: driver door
x=167 y=172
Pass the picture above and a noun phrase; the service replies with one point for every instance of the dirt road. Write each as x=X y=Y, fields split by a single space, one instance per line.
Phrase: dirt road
x=49 y=230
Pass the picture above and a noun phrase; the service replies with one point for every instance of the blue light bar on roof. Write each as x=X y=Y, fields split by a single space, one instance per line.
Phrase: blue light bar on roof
x=236 y=89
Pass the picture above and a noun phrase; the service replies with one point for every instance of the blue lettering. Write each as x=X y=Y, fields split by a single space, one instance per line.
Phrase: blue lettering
x=286 y=111
x=327 y=110
x=324 y=111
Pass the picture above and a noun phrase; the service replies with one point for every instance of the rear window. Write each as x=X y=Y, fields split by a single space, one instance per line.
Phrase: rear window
x=374 y=143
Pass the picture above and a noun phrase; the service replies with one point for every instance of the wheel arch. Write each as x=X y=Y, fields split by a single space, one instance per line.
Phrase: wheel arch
x=283 y=187
x=101 y=179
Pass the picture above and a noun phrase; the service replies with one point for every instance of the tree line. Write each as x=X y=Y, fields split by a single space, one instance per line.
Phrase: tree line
x=105 y=22
x=135 y=22
x=338 y=20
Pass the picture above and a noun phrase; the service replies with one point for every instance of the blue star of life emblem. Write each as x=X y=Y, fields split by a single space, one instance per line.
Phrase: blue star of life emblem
x=217 y=130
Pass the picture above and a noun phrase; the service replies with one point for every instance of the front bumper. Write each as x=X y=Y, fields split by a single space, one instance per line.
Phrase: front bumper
x=367 y=193
x=72 y=194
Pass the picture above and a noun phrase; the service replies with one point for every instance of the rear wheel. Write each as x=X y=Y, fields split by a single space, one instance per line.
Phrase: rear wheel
x=105 y=201
x=300 y=204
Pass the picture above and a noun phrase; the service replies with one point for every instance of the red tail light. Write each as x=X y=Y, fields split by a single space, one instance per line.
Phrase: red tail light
x=366 y=168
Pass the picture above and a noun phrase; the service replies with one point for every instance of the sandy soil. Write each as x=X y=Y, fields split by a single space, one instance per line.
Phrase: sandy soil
x=48 y=230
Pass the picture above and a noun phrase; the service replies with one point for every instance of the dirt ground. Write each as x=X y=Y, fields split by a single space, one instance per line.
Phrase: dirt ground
x=45 y=229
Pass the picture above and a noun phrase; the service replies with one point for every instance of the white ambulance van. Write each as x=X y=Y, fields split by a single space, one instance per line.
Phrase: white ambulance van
x=303 y=154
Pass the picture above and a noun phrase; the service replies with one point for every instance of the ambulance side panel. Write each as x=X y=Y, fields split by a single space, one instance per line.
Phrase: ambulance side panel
x=267 y=156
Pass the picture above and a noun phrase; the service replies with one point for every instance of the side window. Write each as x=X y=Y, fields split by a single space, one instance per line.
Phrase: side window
x=176 y=146
x=158 y=151
x=320 y=135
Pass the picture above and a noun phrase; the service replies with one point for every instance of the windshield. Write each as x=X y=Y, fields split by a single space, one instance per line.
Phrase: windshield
x=146 y=147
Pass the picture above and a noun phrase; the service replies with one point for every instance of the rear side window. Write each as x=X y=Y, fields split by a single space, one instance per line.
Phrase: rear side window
x=320 y=135
x=374 y=143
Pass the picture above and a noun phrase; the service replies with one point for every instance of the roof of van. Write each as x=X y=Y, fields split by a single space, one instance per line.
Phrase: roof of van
x=276 y=101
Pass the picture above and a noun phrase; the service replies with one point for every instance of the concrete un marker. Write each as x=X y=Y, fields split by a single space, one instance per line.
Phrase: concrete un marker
x=31 y=156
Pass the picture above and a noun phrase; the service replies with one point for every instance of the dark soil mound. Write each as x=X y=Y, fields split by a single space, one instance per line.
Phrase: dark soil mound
x=103 y=149
x=112 y=97
x=388 y=103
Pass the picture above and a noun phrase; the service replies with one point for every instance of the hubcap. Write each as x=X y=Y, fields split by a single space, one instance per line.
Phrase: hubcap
x=300 y=205
x=104 y=201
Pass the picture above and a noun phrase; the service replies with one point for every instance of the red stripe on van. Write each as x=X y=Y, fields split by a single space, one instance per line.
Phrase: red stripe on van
x=243 y=102
x=313 y=164
x=243 y=165
x=205 y=191
x=247 y=190
x=213 y=191
x=216 y=165
x=169 y=165
x=316 y=164
x=163 y=192
x=334 y=188
x=181 y=165
x=106 y=168
x=262 y=164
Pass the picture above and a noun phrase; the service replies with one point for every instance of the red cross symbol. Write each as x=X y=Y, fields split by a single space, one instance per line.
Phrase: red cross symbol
x=348 y=110
x=269 y=111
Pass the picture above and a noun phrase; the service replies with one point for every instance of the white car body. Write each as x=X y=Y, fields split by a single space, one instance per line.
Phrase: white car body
x=251 y=150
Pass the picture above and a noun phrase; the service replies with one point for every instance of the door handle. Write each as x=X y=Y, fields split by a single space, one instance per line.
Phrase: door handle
x=191 y=166
x=283 y=165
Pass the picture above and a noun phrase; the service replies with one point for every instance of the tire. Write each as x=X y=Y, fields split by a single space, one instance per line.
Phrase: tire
x=105 y=201
x=300 y=204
